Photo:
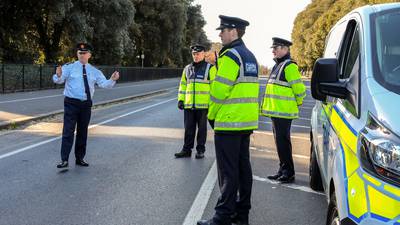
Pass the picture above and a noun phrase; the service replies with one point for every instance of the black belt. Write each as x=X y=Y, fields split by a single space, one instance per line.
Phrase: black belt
x=78 y=101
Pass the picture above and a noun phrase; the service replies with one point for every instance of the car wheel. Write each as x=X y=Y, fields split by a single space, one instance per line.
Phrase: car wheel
x=315 y=175
x=333 y=215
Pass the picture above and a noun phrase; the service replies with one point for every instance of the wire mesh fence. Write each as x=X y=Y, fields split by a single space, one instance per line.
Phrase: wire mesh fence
x=22 y=77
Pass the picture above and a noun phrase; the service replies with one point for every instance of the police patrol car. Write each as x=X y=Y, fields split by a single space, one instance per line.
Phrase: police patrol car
x=355 y=134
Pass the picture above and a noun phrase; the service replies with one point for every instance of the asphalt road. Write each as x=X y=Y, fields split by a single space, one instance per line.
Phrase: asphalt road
x=26 y=105
x=133 y=177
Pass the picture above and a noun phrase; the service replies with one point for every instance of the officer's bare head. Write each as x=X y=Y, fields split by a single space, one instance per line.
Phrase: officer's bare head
x=280 y=51
x=228 y=35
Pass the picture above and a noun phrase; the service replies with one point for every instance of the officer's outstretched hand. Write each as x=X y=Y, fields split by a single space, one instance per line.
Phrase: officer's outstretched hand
x=115 y=76
x=180 y=105
x=211 y=122
x=58 y=71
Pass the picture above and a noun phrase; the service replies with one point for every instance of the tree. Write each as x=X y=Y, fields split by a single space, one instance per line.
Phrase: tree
x=53 y=27
x=119 y=30
x=194 y=33
x=159 y=26
x=312 y=26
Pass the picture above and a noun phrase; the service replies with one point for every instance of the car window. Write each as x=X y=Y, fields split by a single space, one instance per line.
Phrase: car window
x=334 y=40
x=349 y=66
x=386 y=48
x=352 y=54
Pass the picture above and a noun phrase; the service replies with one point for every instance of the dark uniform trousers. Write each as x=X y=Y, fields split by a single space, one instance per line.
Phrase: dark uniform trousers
x=76 y=114
x=234 y=176
x=193 y=118
x=281 y=129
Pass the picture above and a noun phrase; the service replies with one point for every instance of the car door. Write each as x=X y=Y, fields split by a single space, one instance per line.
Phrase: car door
x=348 y=55
x=323 y=109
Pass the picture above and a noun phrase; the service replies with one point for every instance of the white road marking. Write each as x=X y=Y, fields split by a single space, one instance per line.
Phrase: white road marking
x=200 y=202
x=203 y=196
x=53 y=96
x=28 y=99
x=90 y=127
x=28 y=147
x=274 y=152
x=300 y=118
x=293 y=125
x=291 y=186
x=292 y=136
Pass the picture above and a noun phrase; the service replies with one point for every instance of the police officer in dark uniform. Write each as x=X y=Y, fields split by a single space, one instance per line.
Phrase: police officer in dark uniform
x=80 y=78
x=284 y=93
x=233 y=114
x=193 y=98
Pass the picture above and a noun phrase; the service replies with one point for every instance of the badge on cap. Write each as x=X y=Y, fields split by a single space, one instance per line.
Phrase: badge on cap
x=280 y=42
x=84 y=47
x=232 y=22
x=197 y=48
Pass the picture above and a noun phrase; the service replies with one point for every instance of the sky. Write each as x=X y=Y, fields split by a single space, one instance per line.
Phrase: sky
x=268 y=18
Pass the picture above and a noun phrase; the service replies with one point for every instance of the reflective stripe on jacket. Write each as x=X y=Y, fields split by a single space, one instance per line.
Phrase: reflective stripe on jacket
x=194 y=88
x=234 y=91
x=284 y=91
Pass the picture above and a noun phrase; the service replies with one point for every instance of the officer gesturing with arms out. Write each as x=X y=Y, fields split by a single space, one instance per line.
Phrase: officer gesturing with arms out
x=233 y=112
x=80 y=78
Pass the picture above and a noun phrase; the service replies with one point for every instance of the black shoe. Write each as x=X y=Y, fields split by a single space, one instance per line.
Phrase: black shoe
x=80 y=162
x=206 y=222
x=286 y=179
x=236 y=219
x=183 y=154
x=62 y=164
x=274 y=177
x=199 y=155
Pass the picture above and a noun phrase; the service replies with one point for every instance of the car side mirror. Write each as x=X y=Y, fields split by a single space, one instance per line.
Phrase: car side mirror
x=325 y=80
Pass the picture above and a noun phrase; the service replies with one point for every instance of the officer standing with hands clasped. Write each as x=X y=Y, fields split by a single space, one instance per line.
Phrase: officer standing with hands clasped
x=193 y=98
x=79 y=78
x=284 y=93
x=233 y=114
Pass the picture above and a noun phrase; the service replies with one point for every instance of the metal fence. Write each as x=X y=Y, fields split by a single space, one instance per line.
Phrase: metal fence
x=18 y=77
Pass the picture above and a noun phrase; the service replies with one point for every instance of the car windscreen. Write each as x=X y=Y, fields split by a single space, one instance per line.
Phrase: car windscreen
x=385 y=36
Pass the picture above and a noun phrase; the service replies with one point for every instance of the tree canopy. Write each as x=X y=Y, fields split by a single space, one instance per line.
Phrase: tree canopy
x=120 y=31
x=313 y=24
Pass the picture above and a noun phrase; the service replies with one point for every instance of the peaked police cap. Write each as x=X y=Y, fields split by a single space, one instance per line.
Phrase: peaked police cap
x=280 y=42
x=232 y=22
x=84 y=47
x=197 y=48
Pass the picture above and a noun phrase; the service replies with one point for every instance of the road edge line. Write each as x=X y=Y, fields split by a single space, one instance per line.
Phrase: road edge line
x=25 y=120
x=203 y=196
x=90 y=127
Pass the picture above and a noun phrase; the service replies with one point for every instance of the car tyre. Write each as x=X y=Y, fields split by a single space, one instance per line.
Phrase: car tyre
x=315 y=175
x=333 y=214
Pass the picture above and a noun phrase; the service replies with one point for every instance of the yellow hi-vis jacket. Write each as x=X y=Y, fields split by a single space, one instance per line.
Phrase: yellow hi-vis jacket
x=194 y=88
x=234 y=91
x=284 y=92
